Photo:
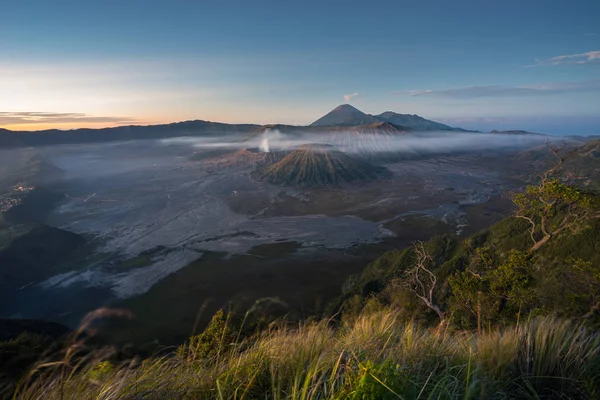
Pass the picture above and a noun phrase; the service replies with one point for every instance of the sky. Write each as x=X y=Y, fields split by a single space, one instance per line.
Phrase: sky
x=478 y=64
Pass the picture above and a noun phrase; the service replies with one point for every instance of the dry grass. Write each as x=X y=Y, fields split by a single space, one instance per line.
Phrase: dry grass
x=377 y=356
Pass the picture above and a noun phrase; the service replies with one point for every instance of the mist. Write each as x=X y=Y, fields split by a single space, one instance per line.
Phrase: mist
x=361 y=143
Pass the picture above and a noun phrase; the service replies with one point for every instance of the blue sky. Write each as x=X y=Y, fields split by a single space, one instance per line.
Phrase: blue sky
x=480 y=64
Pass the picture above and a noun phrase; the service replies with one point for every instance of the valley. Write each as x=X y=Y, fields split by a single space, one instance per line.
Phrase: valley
x=203 y=224
x=274 y=221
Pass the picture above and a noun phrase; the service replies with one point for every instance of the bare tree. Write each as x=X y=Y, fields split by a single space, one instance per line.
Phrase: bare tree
x=421 y=281
x=553 y=206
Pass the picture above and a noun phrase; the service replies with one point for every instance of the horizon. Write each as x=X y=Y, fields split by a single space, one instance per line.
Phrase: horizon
x=499 y=126
x=86 y=66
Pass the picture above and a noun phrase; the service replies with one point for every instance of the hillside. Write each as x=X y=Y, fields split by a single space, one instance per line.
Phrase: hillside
x=316 y=164
x=554 y=282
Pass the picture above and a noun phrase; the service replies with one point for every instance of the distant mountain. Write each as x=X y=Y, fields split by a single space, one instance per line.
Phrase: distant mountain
x=346 y=115
x=121 y=133
x=342 y=118
x=515 y=132
x=414 y=122
x=379 y=128
x=317 y=164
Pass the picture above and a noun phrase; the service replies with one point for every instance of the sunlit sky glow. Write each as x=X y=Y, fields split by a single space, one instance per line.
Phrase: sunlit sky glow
x=478 y=64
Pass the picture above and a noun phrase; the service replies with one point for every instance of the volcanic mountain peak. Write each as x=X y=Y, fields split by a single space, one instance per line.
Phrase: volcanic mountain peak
x=318 y=164
x=347 y=108
x=345 y=115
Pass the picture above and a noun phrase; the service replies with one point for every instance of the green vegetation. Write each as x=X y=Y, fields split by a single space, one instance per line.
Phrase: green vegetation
x=377 y=356
x=489 y=278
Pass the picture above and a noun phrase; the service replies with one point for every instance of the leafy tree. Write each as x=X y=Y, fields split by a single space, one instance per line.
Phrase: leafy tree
x=512 y=283
x=494 y=294
x=465 y=303
x=582 y=287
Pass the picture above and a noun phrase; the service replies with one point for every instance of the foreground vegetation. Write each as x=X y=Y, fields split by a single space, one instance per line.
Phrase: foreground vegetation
x=377 y=356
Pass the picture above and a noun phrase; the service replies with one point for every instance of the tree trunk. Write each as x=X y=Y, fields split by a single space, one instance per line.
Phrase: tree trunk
x=540 y=243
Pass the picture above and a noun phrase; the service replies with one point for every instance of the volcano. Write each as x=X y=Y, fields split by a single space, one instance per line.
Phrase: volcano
x=318 y=164
x=345 y=115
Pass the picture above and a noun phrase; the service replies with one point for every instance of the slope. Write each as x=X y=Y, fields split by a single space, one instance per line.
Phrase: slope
x=317 y=164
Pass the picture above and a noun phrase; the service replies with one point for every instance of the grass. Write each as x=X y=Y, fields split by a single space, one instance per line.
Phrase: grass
x=374 y=357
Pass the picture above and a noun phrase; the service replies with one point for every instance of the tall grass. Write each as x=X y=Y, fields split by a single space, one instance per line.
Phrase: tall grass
x=374 y=357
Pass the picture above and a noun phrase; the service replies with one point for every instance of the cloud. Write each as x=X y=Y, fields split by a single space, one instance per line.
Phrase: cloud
x=591 y=57
x=350 y=97
x=590 y=34
x=470 y=92
x=30 y=117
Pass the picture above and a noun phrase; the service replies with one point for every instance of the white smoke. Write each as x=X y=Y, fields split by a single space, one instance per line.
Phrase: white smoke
x=269 y=135
x=264 y=145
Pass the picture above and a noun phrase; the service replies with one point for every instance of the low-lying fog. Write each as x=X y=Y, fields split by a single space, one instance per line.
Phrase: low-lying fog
x=356 y=142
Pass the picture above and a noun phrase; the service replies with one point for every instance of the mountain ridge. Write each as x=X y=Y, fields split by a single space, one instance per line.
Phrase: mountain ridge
x=347 y=115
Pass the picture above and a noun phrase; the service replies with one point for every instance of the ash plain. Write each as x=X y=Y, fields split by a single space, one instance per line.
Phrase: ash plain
x=167 y=214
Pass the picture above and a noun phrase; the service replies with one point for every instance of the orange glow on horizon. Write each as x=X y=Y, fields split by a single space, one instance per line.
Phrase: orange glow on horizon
x=75 y=125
